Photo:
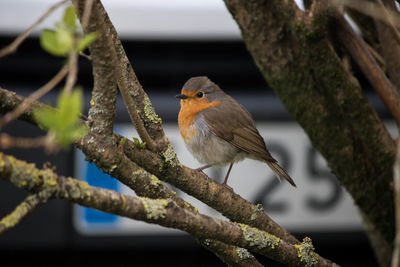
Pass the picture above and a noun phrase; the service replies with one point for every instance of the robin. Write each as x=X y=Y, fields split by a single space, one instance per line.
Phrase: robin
x=218 y=130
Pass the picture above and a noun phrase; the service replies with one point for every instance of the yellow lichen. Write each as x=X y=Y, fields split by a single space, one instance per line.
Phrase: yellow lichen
x=92 y=102
x=305 y=251
x=123 y=206
x=257 y=238
x=137 y=173
x=255 y=210
x=2 y=163
x=244 y=254
x=155 y=181
x=170 y=157
x=113 y=167
x=85 y=189
x=15 y=216
x=155 y=208
x=49 y=178
x=150 y=112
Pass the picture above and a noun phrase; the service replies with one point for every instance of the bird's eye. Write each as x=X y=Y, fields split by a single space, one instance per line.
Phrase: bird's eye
x=200 y=94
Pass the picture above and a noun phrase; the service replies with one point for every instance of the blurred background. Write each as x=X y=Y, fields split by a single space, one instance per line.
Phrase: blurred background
x=168 y=42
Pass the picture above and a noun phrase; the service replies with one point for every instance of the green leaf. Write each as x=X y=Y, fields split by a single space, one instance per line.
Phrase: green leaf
x=70 y=106
x=48 y=41
x=69 y=18
x=47 y=117
x=87 y=40
x=64 y=121
x=65 y=40
x=138 y=144
x=57 y=43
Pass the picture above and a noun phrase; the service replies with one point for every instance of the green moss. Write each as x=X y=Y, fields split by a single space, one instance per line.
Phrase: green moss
x=257 y=238
x=324 y=100
x=305 y=251
x=154 y=208
x=150 y=112
x=139 y=144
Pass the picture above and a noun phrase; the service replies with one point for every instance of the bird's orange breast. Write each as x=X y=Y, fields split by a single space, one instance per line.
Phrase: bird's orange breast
x=190 y=108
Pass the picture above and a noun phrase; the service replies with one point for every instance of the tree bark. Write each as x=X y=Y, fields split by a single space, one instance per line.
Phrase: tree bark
x=293 y=52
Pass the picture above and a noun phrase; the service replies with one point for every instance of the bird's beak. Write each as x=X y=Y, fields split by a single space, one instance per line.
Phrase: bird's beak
x=181 y=96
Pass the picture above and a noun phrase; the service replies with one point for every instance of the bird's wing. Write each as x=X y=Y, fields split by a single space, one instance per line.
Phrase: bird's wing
x=233 y=123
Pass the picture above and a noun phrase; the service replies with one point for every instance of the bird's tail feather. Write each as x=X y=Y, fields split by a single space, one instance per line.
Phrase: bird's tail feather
x=279 y=172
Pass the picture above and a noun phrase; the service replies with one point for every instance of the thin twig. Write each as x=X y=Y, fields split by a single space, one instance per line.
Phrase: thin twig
x=360 y=54
x=85 y=56
x=86 y=13
x=375 y=54
x=131 y=107
x=396 y=180
x=8 y=141
x=371 y=9
x=11 y=48
x=10 y=116
x=72 y=71
x=390 y=21
x=20 y=212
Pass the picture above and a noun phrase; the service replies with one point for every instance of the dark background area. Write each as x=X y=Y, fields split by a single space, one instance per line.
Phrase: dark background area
x=162 y=68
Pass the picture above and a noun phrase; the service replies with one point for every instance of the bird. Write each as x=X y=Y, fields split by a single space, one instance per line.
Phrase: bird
x=218 y=130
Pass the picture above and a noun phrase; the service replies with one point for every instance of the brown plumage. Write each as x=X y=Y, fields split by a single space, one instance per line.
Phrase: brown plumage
x=225 y=132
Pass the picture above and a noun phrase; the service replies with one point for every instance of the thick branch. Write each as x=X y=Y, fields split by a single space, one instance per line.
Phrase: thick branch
x=105 y=152
x=104 y=93
x=396 y=182
x=127 y=79
x=296 y=58
x=196 y=183
x=158 y=211
x=140 y=110
x=207 y=190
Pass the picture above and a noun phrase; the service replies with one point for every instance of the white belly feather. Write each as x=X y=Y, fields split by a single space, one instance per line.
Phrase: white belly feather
x=210 y=149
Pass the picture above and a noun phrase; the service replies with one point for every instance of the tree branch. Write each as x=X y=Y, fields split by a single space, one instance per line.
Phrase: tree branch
x=142 y=105
x=21 y=211
x=23 y=106
x=389 y=38
x=104 y=93
x=11 y=48
x=142 y=182
x=367 y=64
x=164 y=212
x=8 y=141
x=140 y=109
x=396 y=181
x=296 y=58
x=190 y=181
